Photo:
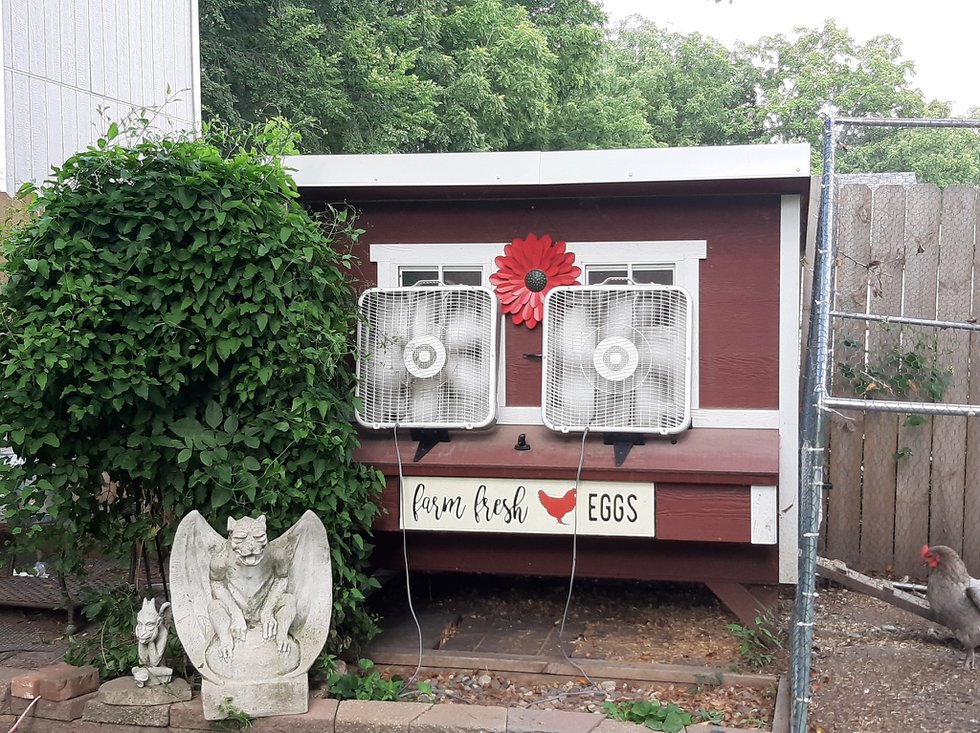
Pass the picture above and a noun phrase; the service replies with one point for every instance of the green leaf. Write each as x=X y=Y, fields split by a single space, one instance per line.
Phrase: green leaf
x=251 y=464
x=212 y=414
x=184 y=456
x=231 y=423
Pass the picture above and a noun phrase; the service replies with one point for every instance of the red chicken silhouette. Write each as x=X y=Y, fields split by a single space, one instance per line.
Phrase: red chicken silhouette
x=558 y=506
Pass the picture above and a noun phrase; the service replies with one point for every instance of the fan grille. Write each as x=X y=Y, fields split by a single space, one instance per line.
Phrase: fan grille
x=617 y=358
x=427 y=357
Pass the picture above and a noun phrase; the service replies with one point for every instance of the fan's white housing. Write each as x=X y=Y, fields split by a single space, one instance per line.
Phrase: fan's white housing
x=427 y=357
x=617 y=358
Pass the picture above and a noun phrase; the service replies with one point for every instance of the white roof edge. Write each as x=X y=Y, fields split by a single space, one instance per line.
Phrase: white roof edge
x=729 y=162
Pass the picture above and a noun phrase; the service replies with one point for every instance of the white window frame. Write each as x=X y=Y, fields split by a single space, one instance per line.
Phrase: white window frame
x=683 y=256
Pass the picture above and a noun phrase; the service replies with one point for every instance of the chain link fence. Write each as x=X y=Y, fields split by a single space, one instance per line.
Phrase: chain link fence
x=892 y=328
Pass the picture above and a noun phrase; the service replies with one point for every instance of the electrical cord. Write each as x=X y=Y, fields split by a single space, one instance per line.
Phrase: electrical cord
x=571 y=585
x=408 y=582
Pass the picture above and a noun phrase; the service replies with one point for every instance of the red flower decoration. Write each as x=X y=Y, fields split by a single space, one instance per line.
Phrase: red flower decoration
x=526 y=271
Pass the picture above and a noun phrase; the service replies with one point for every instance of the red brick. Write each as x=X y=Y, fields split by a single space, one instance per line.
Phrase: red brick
x=56 y=682
x=65 y=710
x=6 y=674
x=189 y=715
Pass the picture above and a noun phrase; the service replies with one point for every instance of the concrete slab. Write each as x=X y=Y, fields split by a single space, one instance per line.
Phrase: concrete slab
x=368 y=716
x=154 y=716
x=618 y=726
x=124 y=691
x=522 y=720
x=461 y=719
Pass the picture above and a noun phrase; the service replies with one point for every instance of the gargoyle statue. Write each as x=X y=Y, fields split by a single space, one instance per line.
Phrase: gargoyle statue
x=252 y=614
x=151 y=638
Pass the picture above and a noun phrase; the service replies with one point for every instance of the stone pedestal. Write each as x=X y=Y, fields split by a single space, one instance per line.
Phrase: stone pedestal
x=287 y=696
x=125 y=691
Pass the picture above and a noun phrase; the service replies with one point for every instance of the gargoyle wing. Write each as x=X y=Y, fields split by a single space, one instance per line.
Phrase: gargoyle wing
x=190 y=586
x=305 y=548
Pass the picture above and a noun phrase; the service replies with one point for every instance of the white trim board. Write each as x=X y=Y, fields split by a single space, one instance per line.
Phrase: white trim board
x=762 y=512
x=789 y=386
x=701 y=418
x=728 y=162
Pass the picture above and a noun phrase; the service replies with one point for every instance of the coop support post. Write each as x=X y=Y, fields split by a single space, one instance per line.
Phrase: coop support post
x=812 y=441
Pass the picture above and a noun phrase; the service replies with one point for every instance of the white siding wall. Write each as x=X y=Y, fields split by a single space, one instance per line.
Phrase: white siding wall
x=65 y=60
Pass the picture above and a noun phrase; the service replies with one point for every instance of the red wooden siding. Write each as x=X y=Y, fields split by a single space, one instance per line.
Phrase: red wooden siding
x=739 y=280
x=703 y=512
x=523 y=374
x=711 y=456
x=597 y=557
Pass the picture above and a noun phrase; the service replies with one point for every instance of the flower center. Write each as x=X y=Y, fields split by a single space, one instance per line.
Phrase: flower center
x=536 y=280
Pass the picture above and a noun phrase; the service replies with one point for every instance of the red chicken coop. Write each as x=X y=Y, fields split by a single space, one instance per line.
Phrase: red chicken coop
x=602 y=344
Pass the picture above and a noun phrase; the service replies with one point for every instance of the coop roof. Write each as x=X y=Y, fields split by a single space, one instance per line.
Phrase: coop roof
x=542 y=170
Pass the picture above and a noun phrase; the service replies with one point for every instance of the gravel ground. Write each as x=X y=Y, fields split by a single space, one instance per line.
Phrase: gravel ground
x=876 y=668
x=611 y=621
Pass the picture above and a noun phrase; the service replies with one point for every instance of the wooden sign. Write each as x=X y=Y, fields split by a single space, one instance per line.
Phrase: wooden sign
x=450 y=504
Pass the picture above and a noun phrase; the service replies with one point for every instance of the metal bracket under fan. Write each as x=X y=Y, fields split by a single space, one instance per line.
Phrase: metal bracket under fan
x=427 y=440
x=623 y=442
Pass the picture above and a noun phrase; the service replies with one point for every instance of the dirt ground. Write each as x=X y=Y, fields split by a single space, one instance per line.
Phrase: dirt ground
x=875 y=668
x=878 y=668
x=611 y=621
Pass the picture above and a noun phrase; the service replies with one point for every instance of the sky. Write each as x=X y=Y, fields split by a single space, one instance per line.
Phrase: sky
x=940 y=42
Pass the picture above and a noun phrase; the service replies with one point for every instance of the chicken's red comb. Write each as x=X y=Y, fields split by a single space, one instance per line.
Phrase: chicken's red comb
x=925 y=551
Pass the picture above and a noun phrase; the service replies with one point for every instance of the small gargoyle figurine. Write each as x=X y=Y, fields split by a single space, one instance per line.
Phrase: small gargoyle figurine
x=151 y=637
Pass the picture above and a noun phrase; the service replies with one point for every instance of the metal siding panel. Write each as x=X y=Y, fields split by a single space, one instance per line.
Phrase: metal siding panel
x=66 y=50
x=183 y=66
x=20 y=134
x=145 y=45
x=36 y=135
x=18 y=36
x=70 y=143
x=52 y=42
x=35 y=40
x=135 y=65
x=83 y=118
x=54 y=152
x=112 y=59
x=83 y=44
x=6 y=138
x=170 y=30
x=97 y=58
x=8 y=46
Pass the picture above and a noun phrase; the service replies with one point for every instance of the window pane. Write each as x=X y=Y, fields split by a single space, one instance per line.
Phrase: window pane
x=596 y=275
x=410 y=277
x=651 y=276
x=457 y=276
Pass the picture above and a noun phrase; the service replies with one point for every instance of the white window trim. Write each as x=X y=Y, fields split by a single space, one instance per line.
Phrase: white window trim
x=683 y=256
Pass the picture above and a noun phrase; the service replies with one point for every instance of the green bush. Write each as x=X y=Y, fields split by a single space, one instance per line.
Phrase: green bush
x=174 y=335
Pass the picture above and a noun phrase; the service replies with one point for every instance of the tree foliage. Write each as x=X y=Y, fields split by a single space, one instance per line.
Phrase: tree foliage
x=467 y=75
x=694 y=90
x=174 y=336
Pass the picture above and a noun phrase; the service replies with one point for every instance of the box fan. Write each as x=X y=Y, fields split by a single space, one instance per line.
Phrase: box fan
x=427 y=359
x=617 y=359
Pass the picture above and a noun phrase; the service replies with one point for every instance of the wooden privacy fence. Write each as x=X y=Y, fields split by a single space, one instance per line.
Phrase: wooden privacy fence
x=901 y=481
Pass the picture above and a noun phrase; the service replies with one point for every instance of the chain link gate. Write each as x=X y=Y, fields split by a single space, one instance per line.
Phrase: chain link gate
x=869 y=357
